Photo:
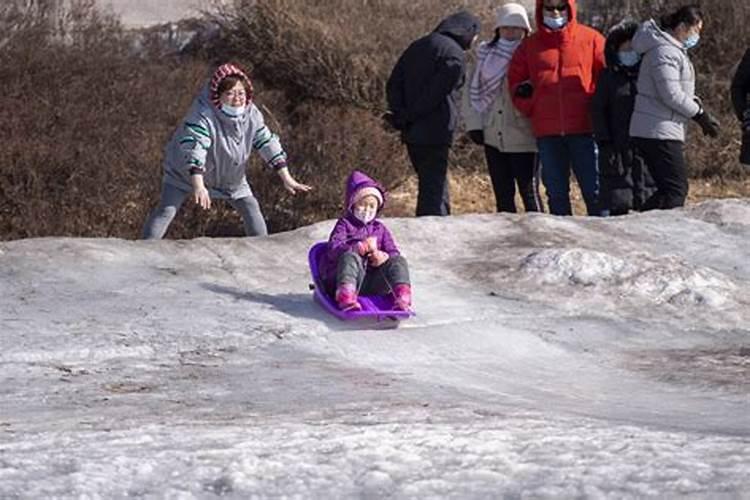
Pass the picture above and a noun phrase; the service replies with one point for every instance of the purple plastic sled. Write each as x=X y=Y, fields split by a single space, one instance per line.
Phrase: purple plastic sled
x=379 y=307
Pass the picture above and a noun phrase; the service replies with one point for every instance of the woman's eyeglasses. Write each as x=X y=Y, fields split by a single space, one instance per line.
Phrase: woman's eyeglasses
x=235 y=93
x=556 y=8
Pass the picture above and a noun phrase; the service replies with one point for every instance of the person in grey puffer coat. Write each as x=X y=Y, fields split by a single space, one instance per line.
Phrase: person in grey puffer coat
x=208 y=154
x=666 y=101
x=423 y=93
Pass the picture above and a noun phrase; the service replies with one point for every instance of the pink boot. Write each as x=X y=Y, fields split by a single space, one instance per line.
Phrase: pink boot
x=403 y=297
x=346 y=297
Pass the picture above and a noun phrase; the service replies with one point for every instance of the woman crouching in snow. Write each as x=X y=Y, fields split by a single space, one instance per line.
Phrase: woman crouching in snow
x=208 y=153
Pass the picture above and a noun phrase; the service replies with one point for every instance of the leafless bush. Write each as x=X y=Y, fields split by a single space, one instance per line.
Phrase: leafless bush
x=83 y=123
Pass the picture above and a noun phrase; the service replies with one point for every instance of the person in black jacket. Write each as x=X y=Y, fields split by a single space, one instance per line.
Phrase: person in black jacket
x=424 y=104
x=625 y=183
x=741 y=102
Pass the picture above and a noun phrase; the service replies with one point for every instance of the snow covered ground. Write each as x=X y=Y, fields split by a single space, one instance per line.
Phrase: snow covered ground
x=550 y=358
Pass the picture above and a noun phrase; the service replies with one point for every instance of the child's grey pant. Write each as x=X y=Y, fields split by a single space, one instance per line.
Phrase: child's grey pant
x=372 y=280
x=171 y=200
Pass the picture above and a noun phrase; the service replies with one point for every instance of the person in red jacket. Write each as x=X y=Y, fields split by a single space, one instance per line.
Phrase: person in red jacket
x=553 y=77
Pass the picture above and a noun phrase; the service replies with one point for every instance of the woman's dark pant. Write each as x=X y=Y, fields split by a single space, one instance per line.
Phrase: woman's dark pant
x=431 y=165
x=509 y=169
x=666 y=162
x=354 y=270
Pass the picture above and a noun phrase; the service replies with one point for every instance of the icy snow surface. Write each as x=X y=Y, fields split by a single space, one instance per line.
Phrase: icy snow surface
x=550 y=358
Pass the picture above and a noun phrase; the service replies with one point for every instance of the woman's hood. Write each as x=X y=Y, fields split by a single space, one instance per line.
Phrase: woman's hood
x=461 y=26
x=650 y=35
x=222 y=72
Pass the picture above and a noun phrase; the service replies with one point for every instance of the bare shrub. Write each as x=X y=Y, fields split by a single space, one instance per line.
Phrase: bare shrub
x=340 y=51
x=84 y=124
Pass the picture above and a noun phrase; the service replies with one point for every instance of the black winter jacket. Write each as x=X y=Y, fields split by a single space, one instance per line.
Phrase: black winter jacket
x=741 y=86
x=614 y=99
x=625 y=182
x=423 y=89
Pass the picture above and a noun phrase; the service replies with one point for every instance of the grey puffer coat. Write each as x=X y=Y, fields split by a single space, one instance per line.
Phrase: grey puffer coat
x=666 y=86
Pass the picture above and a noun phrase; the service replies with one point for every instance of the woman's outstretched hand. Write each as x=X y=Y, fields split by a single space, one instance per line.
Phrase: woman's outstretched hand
x=292 y=185
x=200 y=193
x=202 y=198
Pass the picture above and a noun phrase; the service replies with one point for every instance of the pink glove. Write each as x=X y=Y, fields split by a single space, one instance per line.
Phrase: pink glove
x=372 y=244
x=378 y=258
x=367 y=246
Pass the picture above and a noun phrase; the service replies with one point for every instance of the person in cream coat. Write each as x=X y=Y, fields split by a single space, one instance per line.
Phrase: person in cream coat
x=493 y=121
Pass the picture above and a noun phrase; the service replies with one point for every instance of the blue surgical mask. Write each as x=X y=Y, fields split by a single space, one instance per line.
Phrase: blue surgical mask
x=233 y=111
x=556 y=23
x=692 y=41
x=629 y=58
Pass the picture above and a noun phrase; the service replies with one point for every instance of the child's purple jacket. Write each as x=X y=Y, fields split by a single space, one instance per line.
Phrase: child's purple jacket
x=349 y=230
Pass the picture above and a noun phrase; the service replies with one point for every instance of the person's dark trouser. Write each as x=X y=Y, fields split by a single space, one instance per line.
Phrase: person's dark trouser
x=558 y=154
x=507 y=169
x=616 y=183
x=372 y=280
x=431 y=165
x=745 y=151
x=666 y=162
x=624 y=180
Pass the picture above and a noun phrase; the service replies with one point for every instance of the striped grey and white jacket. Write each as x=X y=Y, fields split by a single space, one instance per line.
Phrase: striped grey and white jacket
x=218 y=146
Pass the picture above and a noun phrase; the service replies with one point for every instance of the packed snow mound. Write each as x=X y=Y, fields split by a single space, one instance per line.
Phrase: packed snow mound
x=655 y=280
x=550 y=357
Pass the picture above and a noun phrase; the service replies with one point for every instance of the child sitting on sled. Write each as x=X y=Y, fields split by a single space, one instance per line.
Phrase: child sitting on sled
x=362 y=257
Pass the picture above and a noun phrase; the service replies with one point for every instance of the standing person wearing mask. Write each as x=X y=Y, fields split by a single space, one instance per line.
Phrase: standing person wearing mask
x=666 y=101
x=492 y=120
x=741 y=103
x=624 y=180
x=553 y=77
x=423 y=100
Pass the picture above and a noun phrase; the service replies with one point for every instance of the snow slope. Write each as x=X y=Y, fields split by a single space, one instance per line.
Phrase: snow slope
x=550 y=358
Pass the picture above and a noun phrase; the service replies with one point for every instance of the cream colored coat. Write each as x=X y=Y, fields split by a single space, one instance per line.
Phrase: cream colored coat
x=505 y=128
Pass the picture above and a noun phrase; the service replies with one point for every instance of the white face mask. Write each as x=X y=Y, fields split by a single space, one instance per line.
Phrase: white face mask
x=556 y=23
x=365 y=214
x=232 y=110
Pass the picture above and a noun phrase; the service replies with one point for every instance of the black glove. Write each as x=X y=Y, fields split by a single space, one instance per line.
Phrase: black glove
x=393 y=121
x=477 y=137
x=525 y=90
x=708 y=123
x=746 y=121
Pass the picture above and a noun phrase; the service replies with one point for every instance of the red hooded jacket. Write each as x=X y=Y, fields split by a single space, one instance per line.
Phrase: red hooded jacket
x=563 y=66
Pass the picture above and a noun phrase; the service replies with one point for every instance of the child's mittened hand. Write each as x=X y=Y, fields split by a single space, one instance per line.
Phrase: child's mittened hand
x=372 y=244
x=363 y=248
x=367 y=246
x=378 y=258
